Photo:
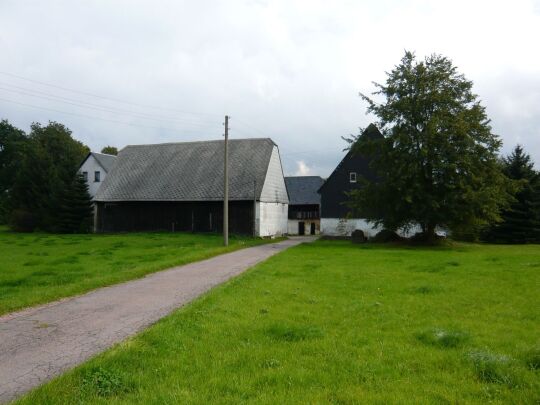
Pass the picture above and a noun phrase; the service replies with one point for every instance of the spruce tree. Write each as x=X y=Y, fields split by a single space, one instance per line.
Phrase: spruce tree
x=75 y=208
x=521 y=221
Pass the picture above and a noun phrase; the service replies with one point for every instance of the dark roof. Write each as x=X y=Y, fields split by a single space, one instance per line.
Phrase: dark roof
x=106 y=161
x=187 y=171
x=303 y=189
x=372 y=133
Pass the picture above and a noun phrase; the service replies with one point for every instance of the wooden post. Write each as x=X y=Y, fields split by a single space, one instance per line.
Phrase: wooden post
x=254 y=208
x=226 y=186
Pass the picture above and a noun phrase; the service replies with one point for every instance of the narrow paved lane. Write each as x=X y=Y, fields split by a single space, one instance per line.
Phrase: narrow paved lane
x=40 y=343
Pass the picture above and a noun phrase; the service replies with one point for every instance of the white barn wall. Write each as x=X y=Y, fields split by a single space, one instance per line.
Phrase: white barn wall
x=345 y=227
x=271 y=212
x=90 y=166
x=292 y=226
x=274 y=189
x=271 y=218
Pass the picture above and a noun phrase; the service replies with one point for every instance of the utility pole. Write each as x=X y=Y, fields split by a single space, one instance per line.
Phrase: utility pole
x=226 y=187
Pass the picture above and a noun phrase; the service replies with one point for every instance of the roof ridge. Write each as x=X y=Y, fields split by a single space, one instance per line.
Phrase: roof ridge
x=104 y=154
x=207 y=141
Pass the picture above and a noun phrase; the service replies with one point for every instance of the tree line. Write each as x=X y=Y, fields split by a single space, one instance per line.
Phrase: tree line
x=40 y=187
x=438 y=166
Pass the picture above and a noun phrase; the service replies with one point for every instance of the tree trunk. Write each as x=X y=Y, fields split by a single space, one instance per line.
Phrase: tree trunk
x=430 y=232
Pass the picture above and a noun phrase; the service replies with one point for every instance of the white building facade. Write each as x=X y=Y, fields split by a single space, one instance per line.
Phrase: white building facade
x=94 y=169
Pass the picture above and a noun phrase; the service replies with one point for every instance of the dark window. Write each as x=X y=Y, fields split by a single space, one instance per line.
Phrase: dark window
x=97 y=177
x=352 y=177
x=85 y=176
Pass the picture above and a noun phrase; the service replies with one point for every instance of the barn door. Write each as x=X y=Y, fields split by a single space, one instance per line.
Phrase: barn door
x=301 y=228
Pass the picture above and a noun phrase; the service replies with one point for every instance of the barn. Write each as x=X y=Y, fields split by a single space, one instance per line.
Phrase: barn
x=336 y=218
x=304 y=204
x=179 y=187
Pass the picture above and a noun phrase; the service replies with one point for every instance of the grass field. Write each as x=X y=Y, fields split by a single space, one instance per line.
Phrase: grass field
x=331 y=322
x=38 y=268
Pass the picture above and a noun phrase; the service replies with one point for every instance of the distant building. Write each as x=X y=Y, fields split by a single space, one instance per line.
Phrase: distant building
x=304 y=204
x=179 y=187
x=95 y=168
x=336 y=218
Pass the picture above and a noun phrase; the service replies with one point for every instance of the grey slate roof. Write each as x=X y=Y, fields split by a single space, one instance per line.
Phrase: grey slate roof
x=187 y=171
x=303 y=189
x=106 y=161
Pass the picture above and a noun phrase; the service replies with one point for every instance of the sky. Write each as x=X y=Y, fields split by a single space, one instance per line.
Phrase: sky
x=131 y=71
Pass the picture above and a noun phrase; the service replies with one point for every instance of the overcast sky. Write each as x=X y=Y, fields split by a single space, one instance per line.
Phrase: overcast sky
x=169 y=71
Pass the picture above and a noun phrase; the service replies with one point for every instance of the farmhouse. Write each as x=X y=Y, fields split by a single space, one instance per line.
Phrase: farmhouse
x=95 y=168
x=179 y=187
x=336 y=219
x=304 y=204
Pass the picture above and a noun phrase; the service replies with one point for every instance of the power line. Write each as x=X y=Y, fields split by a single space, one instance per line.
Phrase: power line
x=117 y=100
x=87 y=116
x=96 y=107
x=37 y=92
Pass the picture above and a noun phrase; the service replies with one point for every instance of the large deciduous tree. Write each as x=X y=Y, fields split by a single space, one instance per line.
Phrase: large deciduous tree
x=110 y=150
x=437 y=163
x=521 y=221
x=49 y=162
x=12 y=141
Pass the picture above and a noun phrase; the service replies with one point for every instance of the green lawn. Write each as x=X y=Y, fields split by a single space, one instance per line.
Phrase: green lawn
x=37 y=268
x=331 y=322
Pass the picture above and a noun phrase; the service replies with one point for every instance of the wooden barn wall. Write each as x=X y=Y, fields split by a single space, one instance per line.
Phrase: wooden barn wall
x=333 y=192
x=206 y=216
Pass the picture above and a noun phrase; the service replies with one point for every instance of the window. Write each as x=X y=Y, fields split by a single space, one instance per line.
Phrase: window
x=352 y=177
x=97 y=177
x=85 y=176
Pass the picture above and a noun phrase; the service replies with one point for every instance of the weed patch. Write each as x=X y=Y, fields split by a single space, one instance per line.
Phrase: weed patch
x=103 y=382
x=290 y=333
x=425 y=289
x=532 y=358
x=443 y=338
x=493 y=368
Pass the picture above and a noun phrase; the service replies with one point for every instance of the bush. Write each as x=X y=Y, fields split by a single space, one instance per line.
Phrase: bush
x=386 y=236
x=358 y=236
x=23 y=221
x=421 y=238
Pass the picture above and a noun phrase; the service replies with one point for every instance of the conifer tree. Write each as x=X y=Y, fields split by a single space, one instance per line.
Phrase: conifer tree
x=75 y=207
x=521 y=221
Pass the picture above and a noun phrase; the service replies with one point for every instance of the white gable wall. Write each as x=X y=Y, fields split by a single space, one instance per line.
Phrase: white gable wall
x=274 y=189
x=272 y=210
x=271 y=219
x=90 y=166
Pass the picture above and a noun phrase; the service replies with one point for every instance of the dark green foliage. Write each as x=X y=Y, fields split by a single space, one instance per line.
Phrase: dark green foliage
x=110 y=150
x=437 y=163
x=11 y=145
x=75 y=208
x=521 y=222
x=386 y=236
x=23 y=221
x=46 y=163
